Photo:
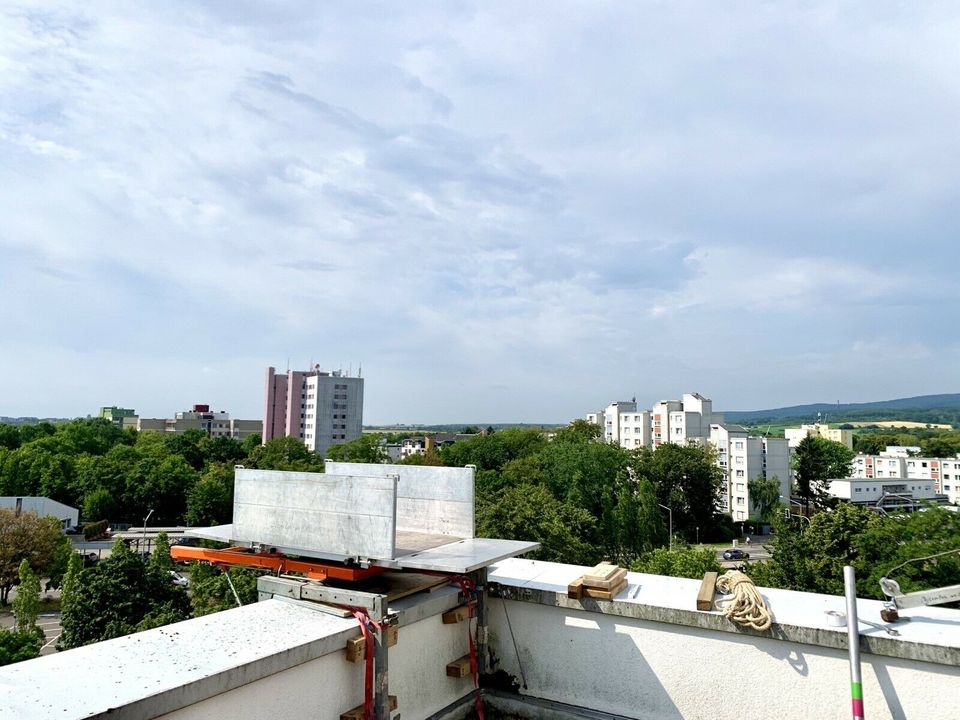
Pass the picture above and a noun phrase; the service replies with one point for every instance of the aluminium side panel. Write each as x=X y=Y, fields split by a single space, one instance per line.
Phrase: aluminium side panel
x=316 y=513
x=430 y=500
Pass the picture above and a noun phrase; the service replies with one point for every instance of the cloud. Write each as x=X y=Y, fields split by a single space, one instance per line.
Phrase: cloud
x=521 y=211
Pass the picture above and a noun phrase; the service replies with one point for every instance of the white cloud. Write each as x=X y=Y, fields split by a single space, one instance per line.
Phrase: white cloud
x=531 y=209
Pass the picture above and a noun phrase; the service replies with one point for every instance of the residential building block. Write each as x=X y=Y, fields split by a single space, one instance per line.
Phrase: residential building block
x=317 y=407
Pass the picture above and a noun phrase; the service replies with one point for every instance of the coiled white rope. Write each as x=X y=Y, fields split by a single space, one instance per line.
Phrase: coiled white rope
x=745 y=606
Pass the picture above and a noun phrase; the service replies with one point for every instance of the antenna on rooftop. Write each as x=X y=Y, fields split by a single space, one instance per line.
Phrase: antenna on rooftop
x=360 y=369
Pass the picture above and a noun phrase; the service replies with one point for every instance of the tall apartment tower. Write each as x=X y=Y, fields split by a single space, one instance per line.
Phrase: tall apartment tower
x=319 y=408
x=743 y=458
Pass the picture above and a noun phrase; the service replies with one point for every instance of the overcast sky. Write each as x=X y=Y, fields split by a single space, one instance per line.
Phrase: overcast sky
x=504 y=211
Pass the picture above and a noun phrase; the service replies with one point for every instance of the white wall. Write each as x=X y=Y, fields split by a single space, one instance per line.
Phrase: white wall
x=656 y=671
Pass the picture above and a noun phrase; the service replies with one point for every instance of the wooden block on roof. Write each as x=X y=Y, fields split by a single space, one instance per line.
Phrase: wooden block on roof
x=458 y=614
x=601 y=572
x=459 y=668
x=708 y=587
x=358 y=714
x=575 y=589
x=614 y=580
x=605 y=594
x=356 y=649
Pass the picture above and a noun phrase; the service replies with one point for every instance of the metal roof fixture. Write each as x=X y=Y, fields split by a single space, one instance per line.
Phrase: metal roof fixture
x=343 y=530
x=900 y=600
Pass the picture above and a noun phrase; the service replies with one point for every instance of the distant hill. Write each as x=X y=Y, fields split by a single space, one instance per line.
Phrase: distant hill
x=923 y=408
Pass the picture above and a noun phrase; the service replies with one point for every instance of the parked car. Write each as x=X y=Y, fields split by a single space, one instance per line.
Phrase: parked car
x=735 y=554
x=90 y=559
x=179 y=579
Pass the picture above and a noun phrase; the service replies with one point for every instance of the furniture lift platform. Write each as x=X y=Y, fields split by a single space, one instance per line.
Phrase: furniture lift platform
x=354 y=521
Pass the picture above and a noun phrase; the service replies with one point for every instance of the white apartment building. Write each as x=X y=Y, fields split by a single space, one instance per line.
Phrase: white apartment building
x=683 y=421
x=795 y=435
x=943 y=474
x=693 y=419
x=743 y=458
x=623 y=424
x=320 y=408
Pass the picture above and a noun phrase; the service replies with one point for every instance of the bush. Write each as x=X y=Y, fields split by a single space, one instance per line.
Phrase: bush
x=94 y=530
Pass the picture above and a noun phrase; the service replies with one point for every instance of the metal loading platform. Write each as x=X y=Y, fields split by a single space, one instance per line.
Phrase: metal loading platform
x=357 y=538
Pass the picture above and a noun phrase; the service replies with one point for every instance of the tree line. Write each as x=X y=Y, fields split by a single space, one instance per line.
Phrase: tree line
x=120 y=475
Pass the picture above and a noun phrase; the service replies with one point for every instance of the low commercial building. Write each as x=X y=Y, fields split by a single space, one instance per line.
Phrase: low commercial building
x=943 y=474
x=908 y=494
x=200 y=417
x=44 y=507
x=117 y=415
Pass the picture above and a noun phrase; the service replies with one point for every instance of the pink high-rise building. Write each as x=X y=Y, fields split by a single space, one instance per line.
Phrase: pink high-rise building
x=319 y=408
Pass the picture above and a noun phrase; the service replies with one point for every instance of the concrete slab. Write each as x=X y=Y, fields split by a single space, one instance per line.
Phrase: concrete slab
x=430 y=500
x=320 y=513
x=465 y=555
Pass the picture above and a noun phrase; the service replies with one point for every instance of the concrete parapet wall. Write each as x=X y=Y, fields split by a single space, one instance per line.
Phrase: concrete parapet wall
x=650 y=657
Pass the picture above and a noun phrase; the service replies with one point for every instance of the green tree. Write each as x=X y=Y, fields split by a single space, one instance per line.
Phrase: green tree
x=494 y=450
x=94 y=436
x=687 y=480
x=367 y=448
x=210 y=501
x=640 y=525
x=211 y=590
x=26 y=605
x=530 y=512
x=9 y=436
x=682 y=562
x=286 y=453
x=18 y=646
x=162 y=483
x=71 y=580
x=26 y=536
x=222 y=450
x=579 y=431
x=101 y=504
x=817 y=461
x=118 y=596
x=765 y=496
x=189 y=445
x=942 y=446
x=160 y=560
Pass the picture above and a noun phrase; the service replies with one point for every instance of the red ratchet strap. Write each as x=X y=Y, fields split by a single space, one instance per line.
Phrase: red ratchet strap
x=468 y=588
x=369 y=645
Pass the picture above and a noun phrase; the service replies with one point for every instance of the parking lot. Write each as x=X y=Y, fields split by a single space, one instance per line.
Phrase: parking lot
x=49 y=622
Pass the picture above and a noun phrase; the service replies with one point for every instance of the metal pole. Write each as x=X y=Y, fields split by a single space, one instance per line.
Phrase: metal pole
x=145 y=528
x=381 y=682
x=853 y=640
x=481 y=580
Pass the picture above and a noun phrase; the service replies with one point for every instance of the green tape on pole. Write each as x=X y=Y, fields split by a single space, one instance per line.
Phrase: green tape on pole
x=856 y=691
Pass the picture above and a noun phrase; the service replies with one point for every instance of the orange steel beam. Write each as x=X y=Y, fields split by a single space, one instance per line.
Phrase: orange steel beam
x=273 y=561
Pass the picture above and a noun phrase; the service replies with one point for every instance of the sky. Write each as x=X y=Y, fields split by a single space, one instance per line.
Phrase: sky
x=505 y=212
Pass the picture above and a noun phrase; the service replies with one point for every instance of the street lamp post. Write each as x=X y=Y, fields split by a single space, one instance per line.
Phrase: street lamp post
x=698 y=535
x=670 y=547
x=145 y=528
